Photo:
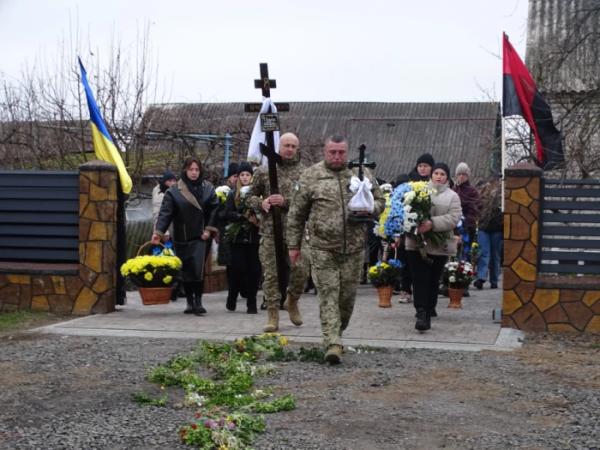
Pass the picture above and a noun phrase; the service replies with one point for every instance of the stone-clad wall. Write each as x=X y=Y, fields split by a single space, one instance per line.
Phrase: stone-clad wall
x=529 y=302
x=84 y=288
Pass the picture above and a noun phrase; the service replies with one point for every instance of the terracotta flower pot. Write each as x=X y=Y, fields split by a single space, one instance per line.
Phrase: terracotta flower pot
x=455 y=295
x=385 y=296
x=155 y=295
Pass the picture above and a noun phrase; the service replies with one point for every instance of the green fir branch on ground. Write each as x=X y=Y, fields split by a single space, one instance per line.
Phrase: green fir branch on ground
x=311 y=354
x=143 y=398
x=219 y=381
x=285 y=403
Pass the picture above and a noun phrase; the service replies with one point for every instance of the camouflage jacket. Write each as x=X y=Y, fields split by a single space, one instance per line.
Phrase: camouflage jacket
x=321 y=202
x=288 y=174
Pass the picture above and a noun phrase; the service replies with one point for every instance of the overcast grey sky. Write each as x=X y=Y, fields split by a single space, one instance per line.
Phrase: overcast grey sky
x=318 y=50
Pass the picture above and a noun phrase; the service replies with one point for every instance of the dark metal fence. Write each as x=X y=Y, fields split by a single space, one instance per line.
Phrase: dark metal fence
x=39 y=216
x=138 y=233
x=569 y=227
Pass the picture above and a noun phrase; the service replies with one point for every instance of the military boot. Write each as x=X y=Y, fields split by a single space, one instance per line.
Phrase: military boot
x=291 y=305
x=334 y=354
x=272 y=320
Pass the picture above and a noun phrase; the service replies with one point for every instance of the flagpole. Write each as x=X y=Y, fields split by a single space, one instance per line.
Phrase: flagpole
x=502 y=157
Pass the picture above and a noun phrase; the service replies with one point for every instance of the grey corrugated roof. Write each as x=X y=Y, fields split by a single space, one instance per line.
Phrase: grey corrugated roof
x=554 y=26
x=395 y=133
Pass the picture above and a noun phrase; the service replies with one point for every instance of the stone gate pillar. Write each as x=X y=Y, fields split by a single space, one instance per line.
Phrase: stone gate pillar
x=521 y=220
x=533 y=302
x=97 y=238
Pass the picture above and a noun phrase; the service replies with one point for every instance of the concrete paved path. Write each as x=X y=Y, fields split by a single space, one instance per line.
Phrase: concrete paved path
x=470 y=328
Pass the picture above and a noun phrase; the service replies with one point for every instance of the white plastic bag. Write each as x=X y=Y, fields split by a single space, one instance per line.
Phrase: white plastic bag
x=362 y=200
x=214 y=253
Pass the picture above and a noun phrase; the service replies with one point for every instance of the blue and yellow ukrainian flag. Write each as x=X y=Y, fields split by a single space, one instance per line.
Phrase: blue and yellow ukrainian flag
x=104 y=146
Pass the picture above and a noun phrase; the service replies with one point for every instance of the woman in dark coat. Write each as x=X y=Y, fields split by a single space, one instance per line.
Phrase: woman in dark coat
x=242 y=233
x=190 y=206
x=421 y=172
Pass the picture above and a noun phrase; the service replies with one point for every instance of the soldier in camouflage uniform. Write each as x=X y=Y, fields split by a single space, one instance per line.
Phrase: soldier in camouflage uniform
x=336 y=244
x=288 y=174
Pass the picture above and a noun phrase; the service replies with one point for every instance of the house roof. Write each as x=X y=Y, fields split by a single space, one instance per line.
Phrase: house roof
x=563 y=44
x=395 y=133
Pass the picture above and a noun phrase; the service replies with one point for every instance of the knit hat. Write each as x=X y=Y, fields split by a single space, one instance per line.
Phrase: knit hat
x=426 y=158
x=233 y=169
x=166 y=176
x=245 y=166
x=462 y=168
x=443 y=166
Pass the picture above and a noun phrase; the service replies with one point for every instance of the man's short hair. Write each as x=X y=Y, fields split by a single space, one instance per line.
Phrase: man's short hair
x=336 y=139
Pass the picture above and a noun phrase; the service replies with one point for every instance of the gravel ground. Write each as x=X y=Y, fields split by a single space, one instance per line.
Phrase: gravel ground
x=67 y=392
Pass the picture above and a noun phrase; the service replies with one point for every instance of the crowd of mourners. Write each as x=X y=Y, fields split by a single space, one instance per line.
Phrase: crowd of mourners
x=324 y=250
x=473 y=215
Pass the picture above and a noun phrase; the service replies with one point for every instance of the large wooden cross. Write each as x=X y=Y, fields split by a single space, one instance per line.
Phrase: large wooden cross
x=270 y=124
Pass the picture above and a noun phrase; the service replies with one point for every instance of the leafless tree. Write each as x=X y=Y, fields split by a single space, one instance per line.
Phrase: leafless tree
x=565 y=66
x=44 y=120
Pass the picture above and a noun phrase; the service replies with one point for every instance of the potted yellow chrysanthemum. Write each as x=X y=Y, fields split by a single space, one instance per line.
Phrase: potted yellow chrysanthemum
x=383 y=276
x=154 y=274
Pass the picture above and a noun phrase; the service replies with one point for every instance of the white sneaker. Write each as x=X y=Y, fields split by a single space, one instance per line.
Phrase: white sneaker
x=405 y=297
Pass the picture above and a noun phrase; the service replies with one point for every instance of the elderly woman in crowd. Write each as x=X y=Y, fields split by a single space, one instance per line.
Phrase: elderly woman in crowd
x=470 y=202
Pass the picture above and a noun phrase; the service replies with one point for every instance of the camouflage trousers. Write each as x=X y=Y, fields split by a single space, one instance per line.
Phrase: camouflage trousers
x=297 y=275
x=336 y=277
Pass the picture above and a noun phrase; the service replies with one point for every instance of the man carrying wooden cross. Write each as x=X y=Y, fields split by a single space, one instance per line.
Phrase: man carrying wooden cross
x=288 y=173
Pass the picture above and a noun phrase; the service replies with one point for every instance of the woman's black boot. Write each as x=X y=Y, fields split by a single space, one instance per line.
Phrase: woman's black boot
x=251 y=306
x=423 y=320
x=231 y=303
x=198 y=308
x=189 y=309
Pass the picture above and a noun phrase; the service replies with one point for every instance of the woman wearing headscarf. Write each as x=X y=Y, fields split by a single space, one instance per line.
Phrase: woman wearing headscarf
x=445 y=215
x=190 y=205
x=242 y=233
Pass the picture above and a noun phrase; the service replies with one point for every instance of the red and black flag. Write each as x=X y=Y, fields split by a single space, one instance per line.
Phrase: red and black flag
x=520 y=97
